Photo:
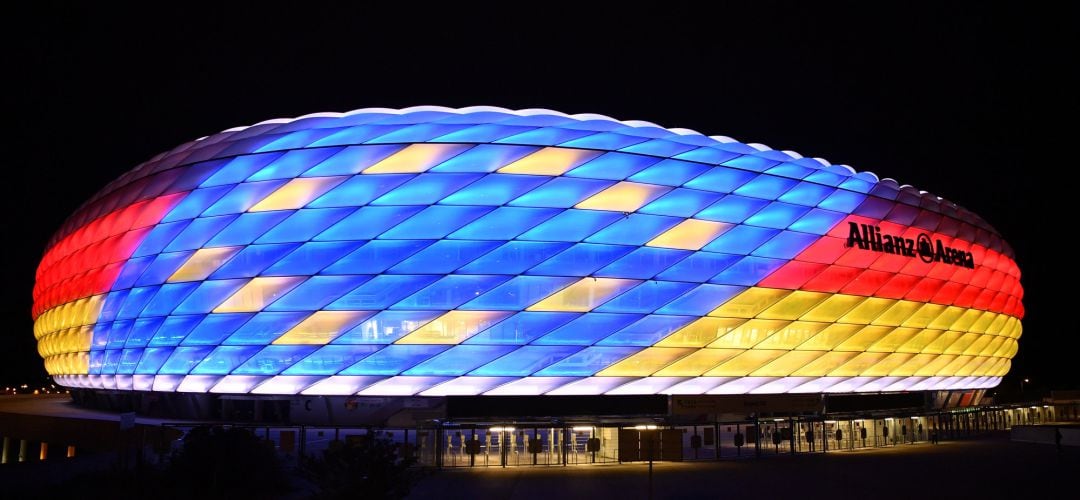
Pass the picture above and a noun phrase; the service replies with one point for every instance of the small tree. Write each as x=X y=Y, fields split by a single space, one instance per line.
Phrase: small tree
x=219 y=462
x=370 y=466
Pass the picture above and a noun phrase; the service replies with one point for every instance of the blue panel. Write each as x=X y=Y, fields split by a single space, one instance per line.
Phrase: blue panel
x=561 y=192
x=572 y=225
x=376 y=256
x=298 y=139
x=317 y=292
x=603 y=140
x=587 y=361
x=817 y=221
x=359 y=190
x=252 y=260
x=587 y=329
x=133 y=268
x=826 y=178
x=646 y=297
x=367 y=223
x=635 y=229
x=174 y=329
x=786 y=245
x=209 y=294
x=142 y=331
x=312 y=257
x=195 y=203
x=357 y=135
x=240 y=168
x=183 y=359
x=748 y=271
x=135 y=301
x=648 y=331
x=459 y=360
x=224 y=359
x=168 y=297
x=215 y=327
x=670 y=173
x=292 y=164
x=702 y=300
x=581 y=260
x=840 y=201
x=858 y=185
x=450 y=292
x=196 y=234
x=425 y=189
x=483 y=158
x=766 y=187
x=352 y=160
x=708 y=155
x=432 y=223
x=751 y=162
x=545 y=136
x=273 y=359
x=118 y=333
x=807 y=194
x=246 y=228
x=112 y=358
x=164 y=265
x=792 y=170
x=643 y=263
x=444 y=257
x=100 y=336
x=152 y=359
x=190 y=178
x=386 y=327
x=613 y=166
x=129 y=358
x=421 y=132
x=160 y=236
x=394 y=359
x=331 y=359
x=266 y=327
x=514 y=257
x=243 y=197
x=658 y=147
x=304 y=224
x=484 y=133
x=525 y=361
x=777 y=215
x=721 y=179
x=494 y=189
x=734 y=209
x=741 y=240
x=518 y=293
x=504 y=223
x=381 y=292
x=97 y=360
x=113 y=302
x=681 y=202
x=522 y=328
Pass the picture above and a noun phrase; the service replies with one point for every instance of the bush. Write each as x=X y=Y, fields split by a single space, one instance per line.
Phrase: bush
x=218 y=462
x=370 y=466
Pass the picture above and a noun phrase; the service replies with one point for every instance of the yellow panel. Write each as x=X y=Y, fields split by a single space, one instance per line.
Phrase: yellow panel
x=743 y=364
x=828 y=362
x=454 y=327
x=858 y=365
x=202 y=263
x=865 y=338
x=966 y=369
x=964 y=322
x=700 y=332
x=1008 y=327
x=750 y=302
x=912 y=365
x=943 y=341
x=980 y=343
x=980 y=325
x=698 y=362
x=794 y=305
x=898 y=313
x=1003 y=368
x=549 y=161
x=749 y=334
x=832 y=308
x=296 y=193
x=962 y=343
x=985 y=367
x=786 y=364
x=322 y=327
x=954 y=366
x=792 y=335
x=924 y=316
x=413 y=159
x=830 y=337
x=947 y=318
x=646 y=362
x=584 y=295
x=258 y=293
x=93 y=309
x=84 y=338
x=890 y=363
x=1018 y=330
x=869 y=309
x=690 y=234
x=622 y=197
x=920 y=341
x=1006 y=349
x=893 y=341
x=997 y=327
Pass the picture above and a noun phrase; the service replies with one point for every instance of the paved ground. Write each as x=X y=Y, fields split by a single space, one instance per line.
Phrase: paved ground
x=987 y=468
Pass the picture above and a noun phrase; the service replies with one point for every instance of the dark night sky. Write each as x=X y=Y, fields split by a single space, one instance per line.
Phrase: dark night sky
x=957 y=100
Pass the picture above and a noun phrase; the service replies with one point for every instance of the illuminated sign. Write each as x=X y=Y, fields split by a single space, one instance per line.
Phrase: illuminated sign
x=928 y=250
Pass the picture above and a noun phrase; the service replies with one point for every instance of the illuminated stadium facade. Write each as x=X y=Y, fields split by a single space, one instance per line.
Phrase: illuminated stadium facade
x=488 y=252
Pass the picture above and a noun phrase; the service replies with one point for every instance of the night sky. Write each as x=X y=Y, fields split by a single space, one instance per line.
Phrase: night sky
x=977 y=106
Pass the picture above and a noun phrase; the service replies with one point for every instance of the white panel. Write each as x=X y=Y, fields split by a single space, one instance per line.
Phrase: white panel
x=590 y=386
x=143 y=382
x=879 y=384
x=238 y=384
x=782 y=385
x=286 y=384
x=927 y=384
x=402 y=386
x=108 y=381
x=962 y=382
x=123 y=382
x=530 y=386
x=198 y=383
x=467 y=386
x=904 y=384
x=342 y=385
x=167 y=383
x=647 y=385
x=741 y=385
x=698 y=385
x=851 y=384
x=819 y=384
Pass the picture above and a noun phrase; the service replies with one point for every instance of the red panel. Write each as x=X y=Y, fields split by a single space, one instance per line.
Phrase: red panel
x=948 y=293
x=967 y=296
x=897 y=286
x=792 y=275
x=925 y=290
x=983 y=300
x=866 y=283
x=824 y=251
x=832 y=279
